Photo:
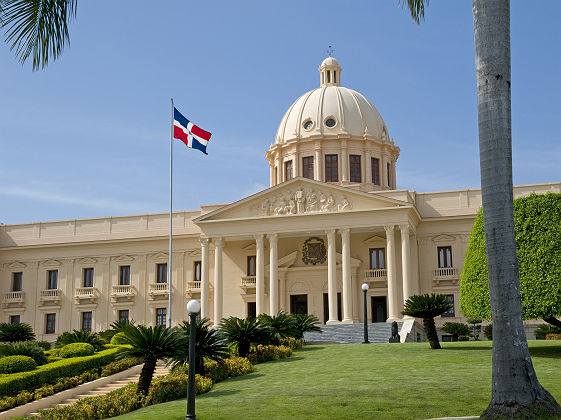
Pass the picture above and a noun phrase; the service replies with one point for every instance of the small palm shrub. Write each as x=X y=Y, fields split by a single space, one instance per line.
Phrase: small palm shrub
x=278 y=326
x=45 y=345
x=13 y=364
x=304 y=323
x=427 y=307
x=209 y=344
x=16 y=332
x=488 y=331
x=546 y=329
x=24 y=348
x=80 y=337
x=242 y=333
x=456 y=329
x=150 y=344
x=76 y=350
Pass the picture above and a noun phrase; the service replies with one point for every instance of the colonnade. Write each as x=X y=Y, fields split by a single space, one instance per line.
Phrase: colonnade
x=408 y=284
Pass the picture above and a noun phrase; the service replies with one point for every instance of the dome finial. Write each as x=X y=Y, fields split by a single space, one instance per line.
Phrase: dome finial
x=330 y=51
x=330 y=71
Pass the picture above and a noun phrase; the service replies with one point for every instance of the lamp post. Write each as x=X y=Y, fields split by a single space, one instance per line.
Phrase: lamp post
x=193 y=307
x=364 y=290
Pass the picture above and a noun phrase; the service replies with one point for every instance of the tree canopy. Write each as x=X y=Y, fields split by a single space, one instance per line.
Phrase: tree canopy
x=537 y=222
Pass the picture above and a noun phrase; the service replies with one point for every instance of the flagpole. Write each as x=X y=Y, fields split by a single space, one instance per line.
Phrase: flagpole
x=170 y=214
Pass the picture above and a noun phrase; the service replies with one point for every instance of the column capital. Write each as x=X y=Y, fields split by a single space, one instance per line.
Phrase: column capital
x=218 y=242
x=259 y=239
x=405 y=228
x=389 y=229
x=345 y=232
x=272 y=236
x=330 y=233
x=204 y=241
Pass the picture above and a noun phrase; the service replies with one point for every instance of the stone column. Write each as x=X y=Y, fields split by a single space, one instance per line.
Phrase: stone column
x=218 y=301
x=347 y=294
x=331 y=277
x=367 y=168
x=344 y=162
x=204 y=278
x=406 y=262
x=415 y=264
x=272 y=174
x=282 y=281
x=393 y=305
x=273 y=275
x=260 y=276
x=317 y=163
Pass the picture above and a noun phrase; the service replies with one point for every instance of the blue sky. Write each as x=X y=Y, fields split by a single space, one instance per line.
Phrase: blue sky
x=89 y=135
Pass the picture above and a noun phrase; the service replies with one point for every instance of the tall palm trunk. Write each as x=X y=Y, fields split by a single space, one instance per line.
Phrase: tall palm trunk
x=146 y=375
x=516 y=391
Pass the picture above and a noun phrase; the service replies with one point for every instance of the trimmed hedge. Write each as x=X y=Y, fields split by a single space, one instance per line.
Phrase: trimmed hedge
x=537 y=224
x=118 y=339
x=18 y=363
x=51 y=372
x=76 y=350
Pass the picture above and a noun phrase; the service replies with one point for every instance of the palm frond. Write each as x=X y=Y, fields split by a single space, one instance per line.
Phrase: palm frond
x=416 y=8
x=37 y=28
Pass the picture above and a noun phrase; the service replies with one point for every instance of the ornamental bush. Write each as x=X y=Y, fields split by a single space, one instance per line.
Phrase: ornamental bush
x=120 y=365
x=118 y=339
x=24 y=348
x=76 y=350
x=229 y=368
x=537 y=223
x=552 y=336
x=488 y=331
x=261 y=353
x=175 y=387
x=14 y=364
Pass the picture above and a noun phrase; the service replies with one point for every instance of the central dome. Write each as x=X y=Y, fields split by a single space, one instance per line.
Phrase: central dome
x=331 y=111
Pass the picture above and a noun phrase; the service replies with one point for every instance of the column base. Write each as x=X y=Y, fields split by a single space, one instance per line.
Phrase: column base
x=333 y=322
x=347 y=321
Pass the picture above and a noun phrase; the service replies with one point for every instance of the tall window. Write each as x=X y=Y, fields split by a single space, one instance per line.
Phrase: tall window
x=389 y=167
x=14 y=319
x=52 y=280
x=288 y=171
x=161 y=273
x=331 y=169
x=123 y=315
x=308 y=167
x=444 y=256
x=50 y=321
x=197 y=271
x=17 y=282
x=88 y=277
x=161 y=316
x=125 y=275
x=354 y=164
x=375 y=171
x=251 y=265
x=450 y=312
x=377 y=258
x=87 y=321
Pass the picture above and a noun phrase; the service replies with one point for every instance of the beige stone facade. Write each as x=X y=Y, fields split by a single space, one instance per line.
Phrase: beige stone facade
x=331 y=220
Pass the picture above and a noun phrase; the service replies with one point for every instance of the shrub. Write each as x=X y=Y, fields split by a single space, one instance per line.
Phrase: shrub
x=51 y=372
x=76 y=350
x=80 y=337
x=45 y=345
x=261 y=353
x=120 y=365
x=14 y=364
x=51 y=359
x=175 y=387
x=456 y=329
x=545 y=329
x=293 y=343
x=463 y=338
x=53 y=352
x=552 y=336
x=24 y=397
x=488 y=331
x=19 y=331
x=24 y=348
x=118 y=339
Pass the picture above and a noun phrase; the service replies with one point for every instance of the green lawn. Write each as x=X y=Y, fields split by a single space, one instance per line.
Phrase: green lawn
x=356 y=381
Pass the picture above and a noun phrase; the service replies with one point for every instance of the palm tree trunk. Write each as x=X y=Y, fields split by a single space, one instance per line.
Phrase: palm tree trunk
x=430 y=330
x=516 y=390
x=146 y=375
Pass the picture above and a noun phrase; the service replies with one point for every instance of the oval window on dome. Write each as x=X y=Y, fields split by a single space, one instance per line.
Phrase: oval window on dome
x=330 y=122
x=308 y=125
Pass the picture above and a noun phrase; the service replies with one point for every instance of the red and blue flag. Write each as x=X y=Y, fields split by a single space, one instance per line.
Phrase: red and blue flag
x=189 y=133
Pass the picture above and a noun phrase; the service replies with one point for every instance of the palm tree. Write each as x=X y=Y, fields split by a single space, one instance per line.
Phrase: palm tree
x=243 y=333
x=305 y=322
x=79 y=337
x=427 y=307
x=151 y=344
x=37 y=28
x=18 y=331
x=516 y=390
x=209 y=344
x=278 y=326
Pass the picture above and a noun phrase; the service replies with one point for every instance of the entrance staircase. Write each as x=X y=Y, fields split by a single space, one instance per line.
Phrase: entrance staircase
x=378 y=332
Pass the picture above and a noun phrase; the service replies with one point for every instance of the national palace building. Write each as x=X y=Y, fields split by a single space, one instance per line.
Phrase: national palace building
x=331 y=220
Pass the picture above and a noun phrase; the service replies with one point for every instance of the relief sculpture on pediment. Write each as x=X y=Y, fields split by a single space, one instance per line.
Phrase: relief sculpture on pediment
x=301 y=201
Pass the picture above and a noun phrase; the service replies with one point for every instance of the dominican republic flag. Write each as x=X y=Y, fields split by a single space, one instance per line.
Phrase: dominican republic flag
x=189 y=133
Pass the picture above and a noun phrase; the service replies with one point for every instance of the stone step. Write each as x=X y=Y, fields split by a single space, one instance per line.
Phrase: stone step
x=351 y=333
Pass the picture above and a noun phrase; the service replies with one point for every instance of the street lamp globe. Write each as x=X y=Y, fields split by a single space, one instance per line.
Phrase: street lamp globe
x=364 y=287
x=193 y=306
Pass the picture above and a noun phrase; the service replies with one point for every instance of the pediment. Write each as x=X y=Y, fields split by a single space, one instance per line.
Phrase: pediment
x=124 y=258
x=250 y=247
x=444 y=238
x=376 y=240
x=286 y=262
x=300 y=196
x=16 y=265
x=159 y=256
x=51 y=263
x=195 y=253
x=87 y=260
